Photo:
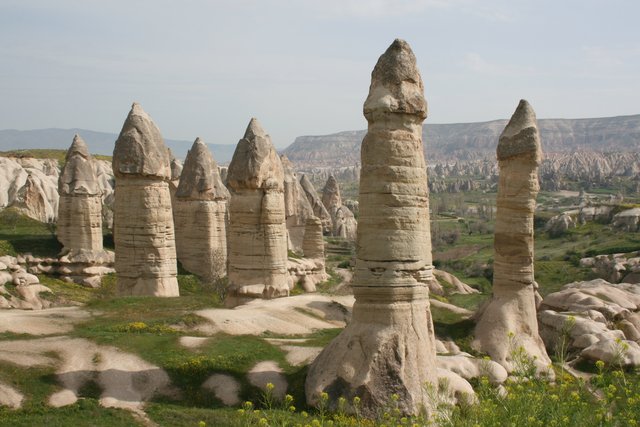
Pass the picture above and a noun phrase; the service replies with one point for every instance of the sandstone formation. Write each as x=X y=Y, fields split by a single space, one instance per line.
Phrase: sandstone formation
x=593 y=320
x=143 y=230
x=296 y=205
x=200 y=211
x=627 y=220
x=331 y=198
x=559 y=224
x=30 y=186
x=176 y=171
x=316 y=204
x=257 y=230
x=389 y=345
x=26 y=289
x=343 y=221
x=511 y=311
x=310 y=270
x=615 y=268
x=80 y=209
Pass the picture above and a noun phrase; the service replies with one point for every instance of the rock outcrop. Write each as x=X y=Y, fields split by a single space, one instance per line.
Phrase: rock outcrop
x=80 y=209
x=26 y=290
x=593 y=320
x=343 y=221
x=508 y=322
x=389 y=345
x=143 y=230
x=316 y=204
x=296 y=205
x=627 y=220
x=559 y=224
x=257 y=230
x=200 y=211
x=310 y=270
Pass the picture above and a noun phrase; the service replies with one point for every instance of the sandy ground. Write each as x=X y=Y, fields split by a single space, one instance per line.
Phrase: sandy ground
x=297 y=315
x=126 y=380
x=41 y=322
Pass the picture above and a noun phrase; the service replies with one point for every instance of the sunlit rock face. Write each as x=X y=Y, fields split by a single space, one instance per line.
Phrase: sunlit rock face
x=257 y=230
x=79 y=223
x=143 y=221
x=296 y=205
x=509 y=320
x=200 y=210
x=389 y=346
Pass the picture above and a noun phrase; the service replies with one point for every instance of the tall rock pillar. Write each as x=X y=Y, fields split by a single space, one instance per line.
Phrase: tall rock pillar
x=509 y=320
x=143 y=222
x=389 y=345
x=200 y=210
x=257 y=229
x=80 y=207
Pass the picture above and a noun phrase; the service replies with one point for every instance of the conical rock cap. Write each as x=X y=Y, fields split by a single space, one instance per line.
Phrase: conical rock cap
x=200 y=179
x=140 y=149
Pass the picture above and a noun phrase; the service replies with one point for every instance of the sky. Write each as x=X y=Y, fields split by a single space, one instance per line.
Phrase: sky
x=303 y=67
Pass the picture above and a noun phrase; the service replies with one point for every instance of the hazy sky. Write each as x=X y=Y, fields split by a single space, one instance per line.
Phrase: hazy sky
x=203 y=68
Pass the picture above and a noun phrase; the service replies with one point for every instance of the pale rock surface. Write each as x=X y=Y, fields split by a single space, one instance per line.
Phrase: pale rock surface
x=30 y=185
x=469 y=367
x=559 y=224
x=459 y=286
x=200 y=215
x=627 y=220
x=389 y=345
x=79 y=223
x=125 y=379
x=268 y=372
x=224 y=387
x=296 y=205
x=257 y=231
x=143 y=234
x=10 y=397
x=343 y=221
x=26 y=294
x=316 y=204
x=310 y=270
x=595 y=320
x=331 y=198
x=511 y=311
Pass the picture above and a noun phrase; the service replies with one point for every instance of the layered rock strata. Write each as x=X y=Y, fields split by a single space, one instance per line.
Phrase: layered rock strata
x=143 y=221
x=389 y=345
x=310 y=270
x=200 y=211
x=316 y=204
x=507 y=325
x=257 y=230
x=296 y=205
x=343 y=221
x=80 y=207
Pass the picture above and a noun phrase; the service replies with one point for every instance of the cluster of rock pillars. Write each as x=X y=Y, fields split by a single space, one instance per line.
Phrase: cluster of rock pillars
x=244 y=229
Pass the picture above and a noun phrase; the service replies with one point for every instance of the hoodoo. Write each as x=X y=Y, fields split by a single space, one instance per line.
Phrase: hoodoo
x=509 y=320
x=257 y=230
x=200 y=215
x=389 y=345
x=80 y=208
x=143 y=221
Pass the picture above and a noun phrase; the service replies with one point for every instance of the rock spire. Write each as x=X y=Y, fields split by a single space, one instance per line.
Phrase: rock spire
x=143 y=220
x=389 y=346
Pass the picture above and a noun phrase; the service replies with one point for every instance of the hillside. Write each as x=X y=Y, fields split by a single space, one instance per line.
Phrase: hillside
x=469 y=141
x=98 y=142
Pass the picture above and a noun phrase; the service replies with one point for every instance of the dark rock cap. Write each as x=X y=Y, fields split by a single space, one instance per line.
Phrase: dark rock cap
x=200 y=179
x=396 y=85
x=521 y=137
x=255 y=161
x=140 y=149
x=78 y=175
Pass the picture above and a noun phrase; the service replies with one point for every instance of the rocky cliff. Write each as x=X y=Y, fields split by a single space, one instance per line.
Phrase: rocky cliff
x=468 y=141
